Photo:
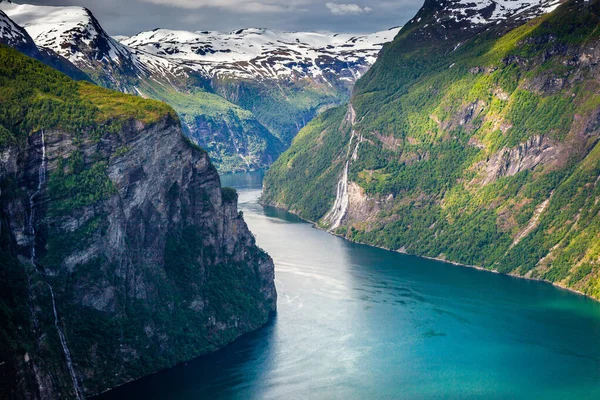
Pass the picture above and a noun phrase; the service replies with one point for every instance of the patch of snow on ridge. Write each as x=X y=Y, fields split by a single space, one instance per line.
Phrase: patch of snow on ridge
x=478 y=12
x=11 y=32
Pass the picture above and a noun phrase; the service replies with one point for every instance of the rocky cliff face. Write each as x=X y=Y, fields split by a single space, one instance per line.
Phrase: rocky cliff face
x=121 y=253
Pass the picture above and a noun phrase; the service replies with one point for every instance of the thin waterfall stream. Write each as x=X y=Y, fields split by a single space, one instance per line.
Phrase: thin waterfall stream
x=32 y=207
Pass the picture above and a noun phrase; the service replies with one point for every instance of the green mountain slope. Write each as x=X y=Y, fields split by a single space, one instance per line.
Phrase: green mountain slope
x=480 y=148
x=283 y=107
x=233 y=137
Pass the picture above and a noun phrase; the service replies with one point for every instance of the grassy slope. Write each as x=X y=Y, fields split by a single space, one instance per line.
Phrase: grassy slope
x=441 y=207
x=35 y=97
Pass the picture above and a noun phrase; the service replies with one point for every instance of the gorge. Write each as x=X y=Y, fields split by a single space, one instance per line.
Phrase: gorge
x=155 y=190
x=357 y=322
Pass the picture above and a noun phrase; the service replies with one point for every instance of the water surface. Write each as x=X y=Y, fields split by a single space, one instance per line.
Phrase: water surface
x=355 y=322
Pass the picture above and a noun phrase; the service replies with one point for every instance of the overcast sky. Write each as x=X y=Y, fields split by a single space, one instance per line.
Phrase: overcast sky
x=127 y=17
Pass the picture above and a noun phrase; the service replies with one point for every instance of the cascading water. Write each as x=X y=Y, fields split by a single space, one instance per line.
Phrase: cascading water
x=41 y=181
x=32 y=207
x=65 y=347
x=337 y=213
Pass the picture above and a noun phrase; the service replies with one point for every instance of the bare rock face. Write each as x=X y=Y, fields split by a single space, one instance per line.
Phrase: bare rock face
x=538 y=150
x=148 y=258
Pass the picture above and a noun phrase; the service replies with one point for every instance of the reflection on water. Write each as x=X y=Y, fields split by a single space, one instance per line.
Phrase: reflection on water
x=356 y=322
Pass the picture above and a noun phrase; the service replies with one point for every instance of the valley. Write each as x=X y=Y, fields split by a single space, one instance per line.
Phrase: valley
x=156 y=190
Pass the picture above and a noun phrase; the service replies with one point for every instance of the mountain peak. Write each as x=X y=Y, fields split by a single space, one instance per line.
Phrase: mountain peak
x=465 y=14
x=13 y=35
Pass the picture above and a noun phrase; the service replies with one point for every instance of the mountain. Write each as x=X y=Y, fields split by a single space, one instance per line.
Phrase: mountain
x=252 y=112
x=473 y=139
x=265 y=54
x=75 y=34
x=120 y=252
x=15 y=36
x=284 y=78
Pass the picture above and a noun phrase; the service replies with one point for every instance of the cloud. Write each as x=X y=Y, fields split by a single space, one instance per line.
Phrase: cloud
x=347 y=9
x=249 y=6
x=128 y=17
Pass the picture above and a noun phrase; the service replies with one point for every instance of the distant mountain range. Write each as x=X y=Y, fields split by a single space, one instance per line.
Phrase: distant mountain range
x=262 y=54
x=243 y=96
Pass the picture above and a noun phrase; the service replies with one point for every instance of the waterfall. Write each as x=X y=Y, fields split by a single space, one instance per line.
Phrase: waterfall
x=41 y=181
x=65 y=347
x=337 y=213
x=42 y=171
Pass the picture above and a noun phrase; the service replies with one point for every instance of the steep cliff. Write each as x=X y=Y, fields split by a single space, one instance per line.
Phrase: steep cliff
x=474 y=138
x=121 y=253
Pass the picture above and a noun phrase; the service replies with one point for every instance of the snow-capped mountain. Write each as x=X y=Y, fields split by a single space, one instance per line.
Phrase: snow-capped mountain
x=173 y=56
x=492 y=11
x=295 y=73
x=13 y=35
x=478 y=14
x=264 y=54
x=75 y=34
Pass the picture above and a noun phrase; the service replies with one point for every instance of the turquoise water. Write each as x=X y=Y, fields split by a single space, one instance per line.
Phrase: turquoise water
x=355 y=322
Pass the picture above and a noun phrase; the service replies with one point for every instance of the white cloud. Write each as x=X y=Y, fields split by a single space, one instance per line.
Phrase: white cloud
x=263 y=6
x=249 y=6
x=347 y=9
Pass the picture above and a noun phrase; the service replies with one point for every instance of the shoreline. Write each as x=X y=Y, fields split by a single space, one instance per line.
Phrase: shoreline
x=454 y=263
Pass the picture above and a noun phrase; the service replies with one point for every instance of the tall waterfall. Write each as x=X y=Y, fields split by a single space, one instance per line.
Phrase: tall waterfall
x=337 y=213
x=32 y=208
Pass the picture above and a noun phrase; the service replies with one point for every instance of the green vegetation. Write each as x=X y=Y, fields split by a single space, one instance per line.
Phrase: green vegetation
x=232 y=136
x=229 y=194
x=282 y=107
x=434 y=117
x=305 y=176
x=36 y=97
x=115 y=105
x=73 y=185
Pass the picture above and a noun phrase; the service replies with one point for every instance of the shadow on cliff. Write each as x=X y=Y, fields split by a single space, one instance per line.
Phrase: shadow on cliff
x=231 y=372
